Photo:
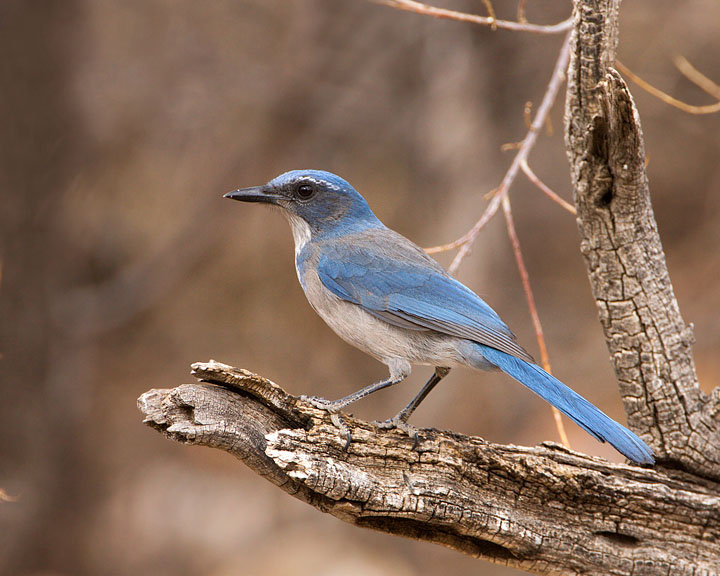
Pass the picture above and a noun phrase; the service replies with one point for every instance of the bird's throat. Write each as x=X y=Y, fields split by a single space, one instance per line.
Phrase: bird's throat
x=300 y=230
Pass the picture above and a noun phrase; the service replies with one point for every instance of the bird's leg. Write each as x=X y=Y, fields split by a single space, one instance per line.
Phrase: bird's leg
x=405 y=413
x=400 y=420
x=334 y=406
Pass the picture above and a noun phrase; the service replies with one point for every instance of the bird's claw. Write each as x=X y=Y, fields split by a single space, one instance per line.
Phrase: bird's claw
x=399 y=423
x=321 y=403
x=332 y=408
x=339 y=423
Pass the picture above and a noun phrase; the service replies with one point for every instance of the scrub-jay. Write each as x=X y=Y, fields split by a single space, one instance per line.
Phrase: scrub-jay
x=384 y=295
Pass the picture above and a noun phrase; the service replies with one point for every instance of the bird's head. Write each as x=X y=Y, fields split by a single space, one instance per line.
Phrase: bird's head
x=314 y=201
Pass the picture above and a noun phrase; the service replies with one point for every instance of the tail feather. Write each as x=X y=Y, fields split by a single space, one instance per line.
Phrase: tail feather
x=570 y=403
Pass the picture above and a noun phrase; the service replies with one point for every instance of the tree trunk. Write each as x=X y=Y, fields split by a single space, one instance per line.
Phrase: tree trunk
x=649 y=343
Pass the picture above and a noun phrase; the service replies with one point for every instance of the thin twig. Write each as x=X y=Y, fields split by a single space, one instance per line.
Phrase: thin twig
x=548 y=192
x=511 y=146
x=679 y=104
x=527 y=114
x=501 y=195
x=521 y=12
x=5 y=497
x=465 y=243
x=443 y=13
x=549 y=129
x=696 y=77
x=544 y=357
x=491 y=13
x=470 y=234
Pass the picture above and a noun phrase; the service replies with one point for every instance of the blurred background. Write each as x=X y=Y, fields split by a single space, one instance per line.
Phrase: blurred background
x=123 y=123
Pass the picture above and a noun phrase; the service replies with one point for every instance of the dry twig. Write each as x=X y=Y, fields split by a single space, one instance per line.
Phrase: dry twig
x=491 y=13
x=691 y=74
x=548 y=192
x=696 y=77
x=537 y=325
x=466 y=241
x=521 y=11
x=443 y=13
x=500 y=194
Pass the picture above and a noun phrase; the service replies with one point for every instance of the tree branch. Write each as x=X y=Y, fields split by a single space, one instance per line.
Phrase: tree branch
x=544 y=509
x=649 y=342
x=443 y=13
x=468 y=239
x=691 y=74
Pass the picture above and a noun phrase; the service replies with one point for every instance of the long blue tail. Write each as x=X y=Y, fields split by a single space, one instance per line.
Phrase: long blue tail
x=570 y=403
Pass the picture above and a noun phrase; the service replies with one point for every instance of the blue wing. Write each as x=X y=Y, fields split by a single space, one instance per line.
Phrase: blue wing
x=397 y=282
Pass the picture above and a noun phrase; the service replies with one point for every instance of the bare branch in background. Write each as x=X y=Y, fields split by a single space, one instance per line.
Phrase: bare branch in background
x=443 y=13
x=521 y=11
x=548 y=192
x=491 y=13
x=537 y=325
x=691 y=74
x=4 y=497
x=526 y=146
x=696 y=77
x=465 y=242
x=471 y=234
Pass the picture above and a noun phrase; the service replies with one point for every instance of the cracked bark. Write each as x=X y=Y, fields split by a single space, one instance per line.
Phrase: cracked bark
x=545 y=509
x=649 y=343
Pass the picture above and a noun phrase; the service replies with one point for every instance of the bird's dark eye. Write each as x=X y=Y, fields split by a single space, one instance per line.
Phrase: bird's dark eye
x=305 y=191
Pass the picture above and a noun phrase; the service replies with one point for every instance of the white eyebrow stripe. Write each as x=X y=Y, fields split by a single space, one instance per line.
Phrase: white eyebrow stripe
x=326 y=183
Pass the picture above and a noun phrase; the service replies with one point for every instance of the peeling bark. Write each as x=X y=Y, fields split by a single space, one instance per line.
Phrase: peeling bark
x=544 y=509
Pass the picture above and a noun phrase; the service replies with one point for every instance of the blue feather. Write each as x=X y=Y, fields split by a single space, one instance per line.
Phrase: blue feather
x=570 y=403
x=405 y=287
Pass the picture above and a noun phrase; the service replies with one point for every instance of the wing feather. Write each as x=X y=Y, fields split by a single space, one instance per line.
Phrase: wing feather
x=398 y=283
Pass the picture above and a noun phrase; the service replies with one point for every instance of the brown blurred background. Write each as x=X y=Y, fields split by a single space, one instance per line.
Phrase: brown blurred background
x=123 y=123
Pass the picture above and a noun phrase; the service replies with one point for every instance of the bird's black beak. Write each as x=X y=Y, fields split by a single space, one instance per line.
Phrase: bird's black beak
x=254 y=194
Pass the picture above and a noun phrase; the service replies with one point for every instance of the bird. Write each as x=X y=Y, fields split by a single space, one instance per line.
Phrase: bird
x=383 y=294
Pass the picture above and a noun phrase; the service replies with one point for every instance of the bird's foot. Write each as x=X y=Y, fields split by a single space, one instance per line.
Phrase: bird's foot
x=323 y=403
x=332 y=407
x=399 y=423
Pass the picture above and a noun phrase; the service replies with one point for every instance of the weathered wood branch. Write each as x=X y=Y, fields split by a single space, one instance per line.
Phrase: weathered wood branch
x=649 y=342
x=544 y=509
